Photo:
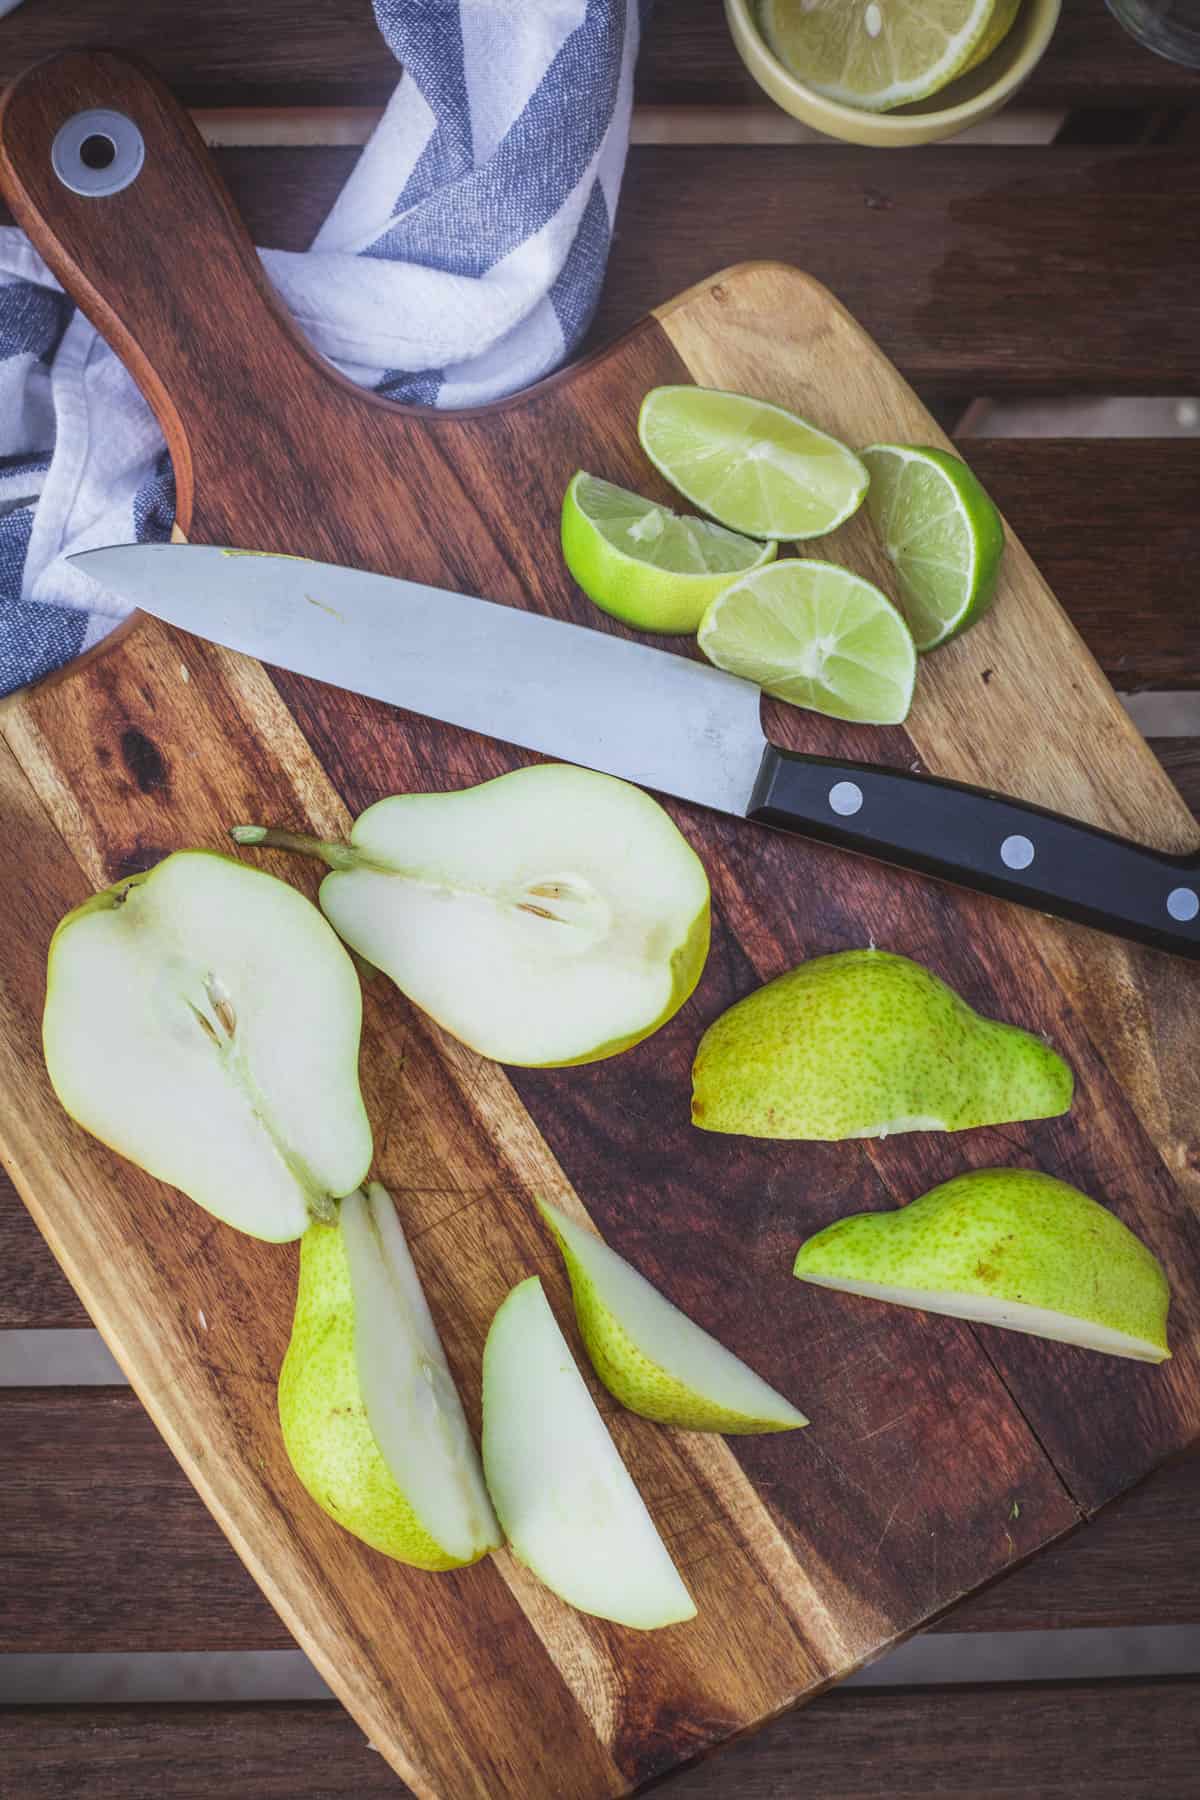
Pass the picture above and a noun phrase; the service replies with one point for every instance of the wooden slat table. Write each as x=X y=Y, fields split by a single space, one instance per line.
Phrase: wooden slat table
x=329 y=54
x=983 y=271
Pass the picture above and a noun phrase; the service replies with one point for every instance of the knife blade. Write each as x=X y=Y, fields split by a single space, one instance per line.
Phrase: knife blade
x=647 y=716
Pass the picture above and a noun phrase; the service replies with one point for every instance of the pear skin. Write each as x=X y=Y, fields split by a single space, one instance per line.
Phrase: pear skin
x=1009 y=1247
x=326 y=1429
x=550 y=917
x=862 y=1044
x=652 y=1357
x=203 y=1020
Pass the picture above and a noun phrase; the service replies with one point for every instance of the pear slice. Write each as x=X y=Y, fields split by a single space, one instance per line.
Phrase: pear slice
x=564 y=1497
x=652 y=1357
x=550 y=916
x=370 y=1414
x=203 y=1020
x=864 y=1044
x=1007 y=1247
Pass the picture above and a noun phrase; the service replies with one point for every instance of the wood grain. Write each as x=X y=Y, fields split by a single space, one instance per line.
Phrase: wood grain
x=805 y=1555
x=109 y=1548
x=1075 y=1740
x=330 y=54
x=929 y=250
x=926 y=251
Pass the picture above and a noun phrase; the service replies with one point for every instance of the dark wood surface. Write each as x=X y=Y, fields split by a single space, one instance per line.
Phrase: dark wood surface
x=1126 y=1558
x=940 y=1458
x=1104 y=1740
x=927 y=250
x=109 y=1548
x=978 y=270
x=328 y=53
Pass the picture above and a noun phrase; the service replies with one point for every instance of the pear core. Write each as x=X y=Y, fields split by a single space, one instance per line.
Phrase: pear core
x=548 y=917
x=203 y=1020
x=863 y=1044
x=1010 y=1247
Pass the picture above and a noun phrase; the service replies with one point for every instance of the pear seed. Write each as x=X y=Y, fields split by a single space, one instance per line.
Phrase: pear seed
x=204 y=1022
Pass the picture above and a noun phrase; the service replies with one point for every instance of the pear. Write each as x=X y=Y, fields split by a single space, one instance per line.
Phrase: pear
x=652 y=1357
x=1007 y=1247
x=203 y=1020
x=564 y=1497
x=550 y=916
x=863 y=1044
x=370 y=1414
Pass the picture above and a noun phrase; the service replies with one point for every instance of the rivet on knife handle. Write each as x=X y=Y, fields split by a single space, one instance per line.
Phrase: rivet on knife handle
x=985 y=841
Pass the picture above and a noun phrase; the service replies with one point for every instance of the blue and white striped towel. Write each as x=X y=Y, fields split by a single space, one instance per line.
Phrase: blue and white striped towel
x=462 y=261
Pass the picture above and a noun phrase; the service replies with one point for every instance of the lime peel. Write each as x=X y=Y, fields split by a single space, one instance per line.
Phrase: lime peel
x=880 y=54
x=754 y=466
x=637 y=560
x=816 y=635
x=941 y=533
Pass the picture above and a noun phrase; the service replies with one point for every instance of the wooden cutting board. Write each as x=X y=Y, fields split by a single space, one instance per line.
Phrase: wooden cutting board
x=938 y=1455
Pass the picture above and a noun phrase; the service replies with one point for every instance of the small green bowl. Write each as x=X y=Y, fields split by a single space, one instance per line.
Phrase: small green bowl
x=967 y=101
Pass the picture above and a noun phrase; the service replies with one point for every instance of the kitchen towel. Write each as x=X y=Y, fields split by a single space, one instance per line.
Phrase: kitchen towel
x=462 y=261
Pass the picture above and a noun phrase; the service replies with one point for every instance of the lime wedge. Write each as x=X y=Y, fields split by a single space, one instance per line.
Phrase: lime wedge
x=754 y=466
x=1004 y=17
x=645 y=564
x=941 y=531
x=877 y=54
x=814 y=634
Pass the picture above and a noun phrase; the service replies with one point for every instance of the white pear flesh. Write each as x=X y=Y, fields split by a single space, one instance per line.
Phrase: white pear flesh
x=1008 y=1247
x=550 y=916
x=371 y=1417
x=412 y=1403
x=566 y=1501
x=866 y=1044
x=204 y=1021
x=650 y=1355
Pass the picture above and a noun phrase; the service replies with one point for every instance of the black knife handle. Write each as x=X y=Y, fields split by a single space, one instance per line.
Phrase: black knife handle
x=985 y=841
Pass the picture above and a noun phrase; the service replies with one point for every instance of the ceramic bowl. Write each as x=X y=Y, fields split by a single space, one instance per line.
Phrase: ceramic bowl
x=966 y=101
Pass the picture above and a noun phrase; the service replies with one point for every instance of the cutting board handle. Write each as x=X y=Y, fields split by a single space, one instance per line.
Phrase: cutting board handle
x=130 y=213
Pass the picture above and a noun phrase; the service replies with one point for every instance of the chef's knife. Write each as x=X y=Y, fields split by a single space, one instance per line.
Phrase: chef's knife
x=651 y=717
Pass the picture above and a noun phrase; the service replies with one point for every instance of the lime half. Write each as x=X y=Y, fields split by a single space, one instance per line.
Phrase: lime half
x=817 y=635
x=645 y=564
x=941 y=531
x=877 y=54
x=754 y=466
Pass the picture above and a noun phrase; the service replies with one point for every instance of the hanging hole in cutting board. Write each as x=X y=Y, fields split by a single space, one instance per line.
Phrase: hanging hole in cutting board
x=97 y=153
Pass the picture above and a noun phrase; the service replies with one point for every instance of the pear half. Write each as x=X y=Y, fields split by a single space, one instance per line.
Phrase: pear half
x=550 y=916
x=203 y=1020
x=864 y=1044
x=566 y=1501
x=652 y=1357
x=1007 y=1247
x=371 y=1418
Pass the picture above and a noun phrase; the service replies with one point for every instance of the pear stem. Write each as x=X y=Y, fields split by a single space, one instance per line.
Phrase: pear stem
x=272 y=837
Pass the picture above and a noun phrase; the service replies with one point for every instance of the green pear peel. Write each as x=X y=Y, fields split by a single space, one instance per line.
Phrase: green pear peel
x=550 y=917
x=864 y=1043
x=1008 y=1247
x=652 y=1357
x=371 y=1419
x=175 y=1032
